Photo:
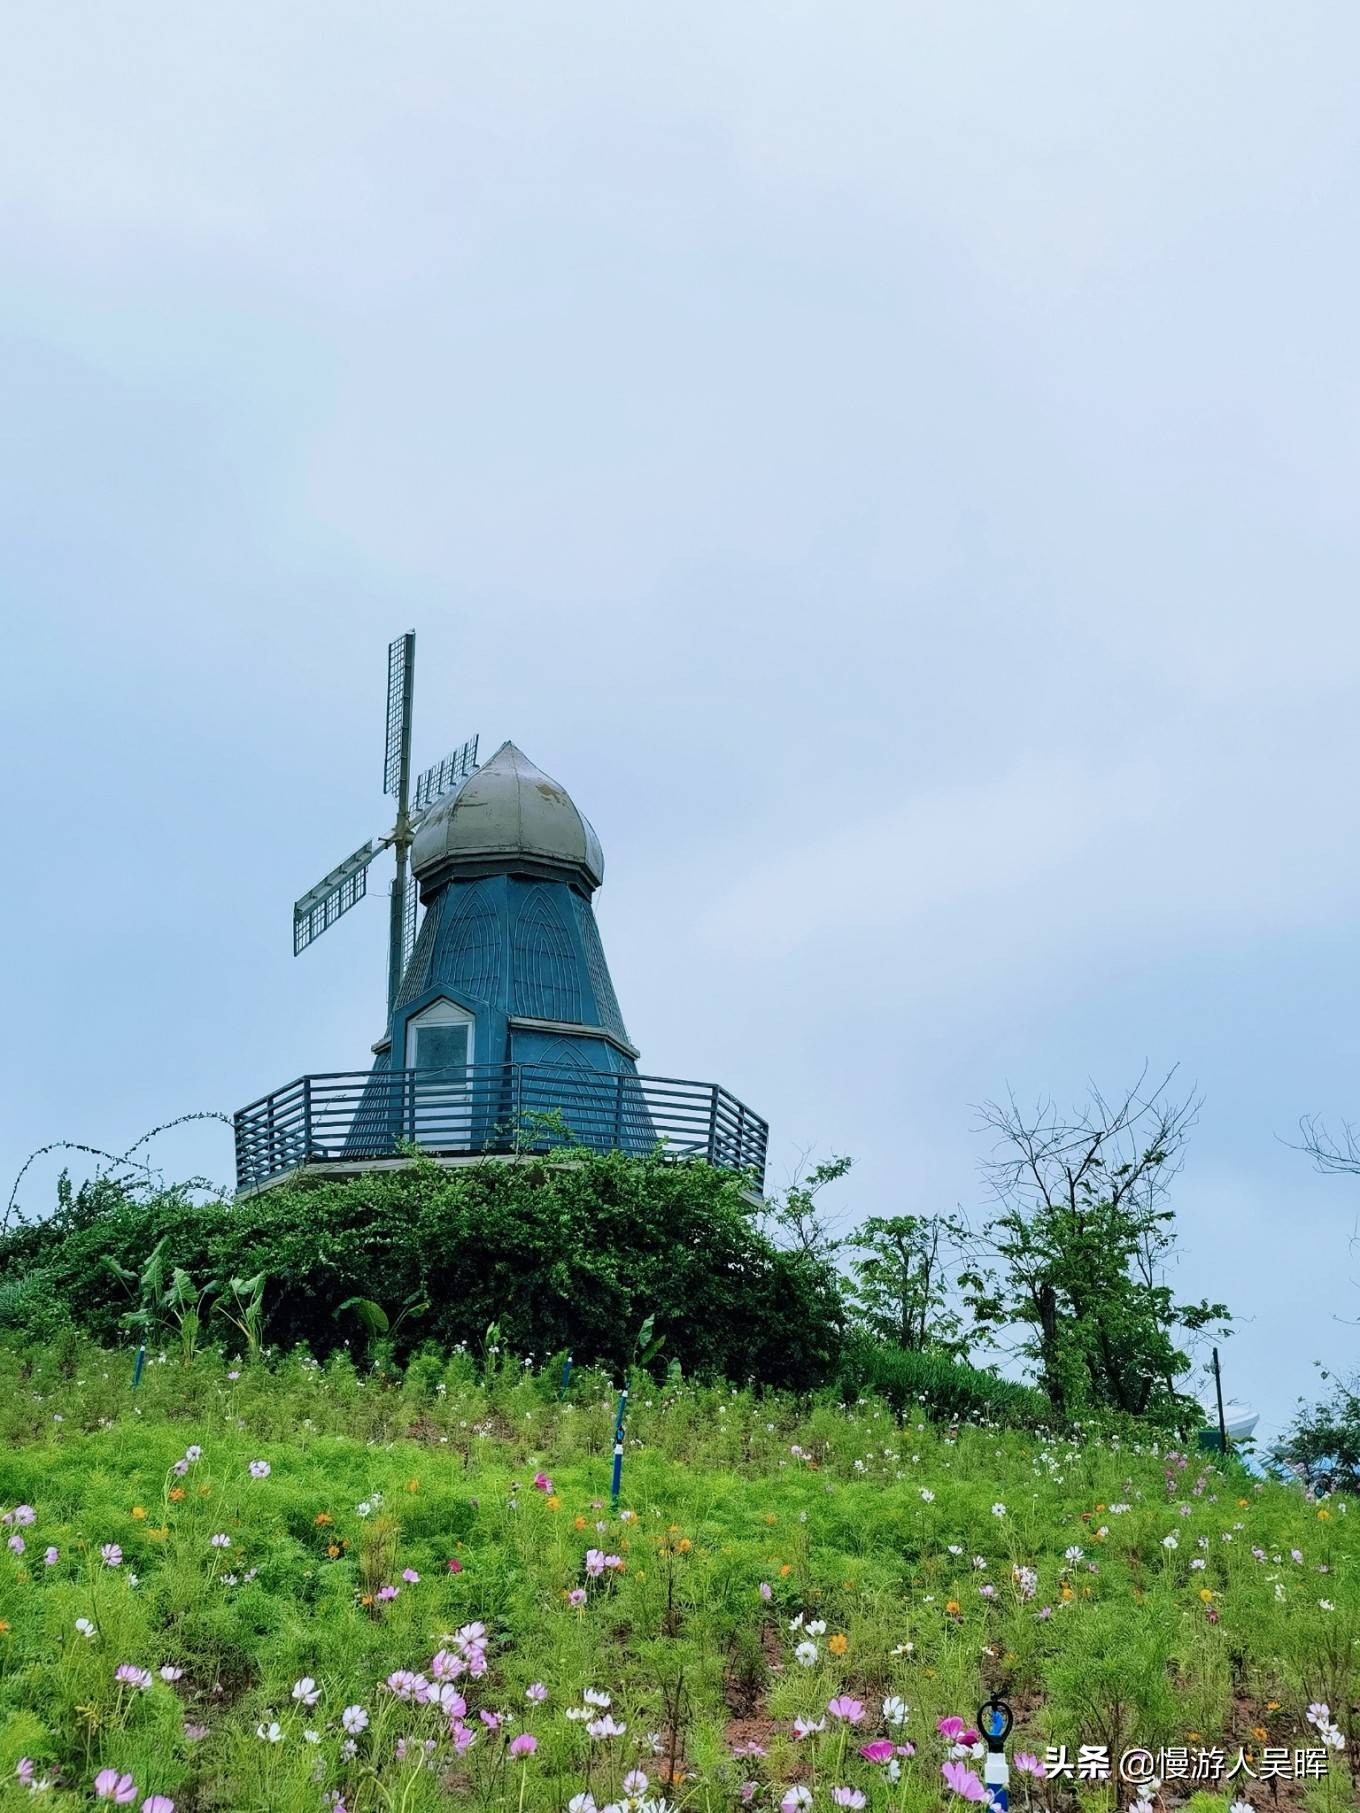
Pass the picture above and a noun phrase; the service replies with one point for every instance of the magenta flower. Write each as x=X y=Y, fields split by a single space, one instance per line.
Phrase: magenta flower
x=455 y=1565
x=963 y=1781
x=950 y=1727
x=542 y=1483
x=110 y=1785
x=523 y=1745
x=882 y=1750
x=843 y=1707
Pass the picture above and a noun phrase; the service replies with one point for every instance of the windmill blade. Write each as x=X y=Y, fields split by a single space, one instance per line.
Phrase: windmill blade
x=443 y=777
x=401 y=661
x=333 y=895
x=408 y=921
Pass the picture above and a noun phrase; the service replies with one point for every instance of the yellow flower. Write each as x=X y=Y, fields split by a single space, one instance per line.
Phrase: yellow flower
x=332 y=1550
x=554 y=1502
x=1205 y=1594
x=1260 y=1733
x=413 y=1485
x=1272 y=1705
x=684 y=1545
x=1242 y=1504
x=158 y=1535
x=4 y=1627
x=1066 y=1590
x=365 y=1598
x=1323 y=1515
x=1193 y=1735
x=580 y=1523
x=139 y=1512
x=770 y=1517
x=204 y=1491
x=838 y=1644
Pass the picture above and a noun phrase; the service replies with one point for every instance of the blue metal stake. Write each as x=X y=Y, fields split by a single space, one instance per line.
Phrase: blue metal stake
x=618 y=1449
x=566 y=1378
x=137 y=1369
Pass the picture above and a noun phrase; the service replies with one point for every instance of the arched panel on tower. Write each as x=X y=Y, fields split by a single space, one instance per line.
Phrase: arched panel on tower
x=602 y=986
x=416 y=977
x=470 y=957
x=547 y=979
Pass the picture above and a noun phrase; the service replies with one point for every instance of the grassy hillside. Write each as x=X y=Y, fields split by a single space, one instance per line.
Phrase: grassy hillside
x=333 y=1533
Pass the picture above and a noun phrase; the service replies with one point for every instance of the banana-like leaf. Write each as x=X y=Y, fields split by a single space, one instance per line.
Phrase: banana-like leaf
x=372 y=1316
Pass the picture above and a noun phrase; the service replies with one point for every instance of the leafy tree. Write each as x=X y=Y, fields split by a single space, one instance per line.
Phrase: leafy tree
x=899 y=1282
x=1076 y=1260
x=1323 y=1446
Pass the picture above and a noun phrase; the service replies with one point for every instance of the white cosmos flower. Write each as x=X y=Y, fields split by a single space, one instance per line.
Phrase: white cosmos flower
x=806 y=1653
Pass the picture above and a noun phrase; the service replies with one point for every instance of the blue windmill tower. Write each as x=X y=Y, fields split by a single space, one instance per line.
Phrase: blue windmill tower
x=503 y=1028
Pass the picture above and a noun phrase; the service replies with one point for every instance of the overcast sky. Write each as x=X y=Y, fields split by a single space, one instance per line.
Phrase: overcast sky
x=894 y=464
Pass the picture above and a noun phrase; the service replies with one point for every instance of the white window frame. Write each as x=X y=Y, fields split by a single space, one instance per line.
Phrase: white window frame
x=440 y=1013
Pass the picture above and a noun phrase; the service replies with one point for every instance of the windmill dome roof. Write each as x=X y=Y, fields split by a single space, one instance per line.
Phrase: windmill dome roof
x=508 y=812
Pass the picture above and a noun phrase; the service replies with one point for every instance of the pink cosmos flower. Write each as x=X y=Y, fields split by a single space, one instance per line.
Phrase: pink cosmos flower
x=796 y=1799
x=463 y=1736
x=1028 y=1764
x=52 y=1556
x=523 y=1745
x=594 y=1563
x=577 y=1596
x=843 y=1707
x=158 y=1803
x=455 y=1565
x=22 y=1514
x=387 y=1593
x=131 y=1676
x=542 y=1483
x=492 y=1720
x=847 y=1797
x=950 y=1727
x=766 y=1590
x=18 y=1544
x=882 y=1750
x=410 y=1576
x=110 y=1785
x=536 y=1692
x=963 y=1782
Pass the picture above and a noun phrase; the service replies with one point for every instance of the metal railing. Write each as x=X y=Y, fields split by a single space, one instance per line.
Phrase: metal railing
x=354 y=1115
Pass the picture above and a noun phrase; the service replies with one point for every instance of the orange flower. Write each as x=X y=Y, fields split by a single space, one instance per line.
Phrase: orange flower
x=1066 y=1590
x=770 y=1517
x=413 y=1485
x=684 y=1545
x=1272 y=1705
x=838 y=1644
x=4 y=1627
x=176 y=1493
x=1242 y=1504
x=580 y=1523
x=1260 y=1733
x=365 y=1598
x=953 y=1607
x=332 y=1550
x=323 y=1517
x=786 y=1570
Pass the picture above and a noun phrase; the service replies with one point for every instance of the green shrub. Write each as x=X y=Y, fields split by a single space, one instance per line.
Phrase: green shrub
x=951 y=1390
x=561 y=1252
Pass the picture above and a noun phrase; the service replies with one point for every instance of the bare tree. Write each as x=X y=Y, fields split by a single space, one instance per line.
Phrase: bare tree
x=1336 y=1157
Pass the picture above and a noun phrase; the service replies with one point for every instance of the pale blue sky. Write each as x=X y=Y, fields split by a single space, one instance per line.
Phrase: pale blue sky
x=895 y=464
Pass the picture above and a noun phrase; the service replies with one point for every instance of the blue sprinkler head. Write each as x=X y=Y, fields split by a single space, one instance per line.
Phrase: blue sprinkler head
x=995 y=1719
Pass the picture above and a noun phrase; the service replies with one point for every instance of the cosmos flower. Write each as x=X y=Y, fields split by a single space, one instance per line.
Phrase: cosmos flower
x=259 y=1469
x=523 y=1745
x=963 y=1782
x=843 y=1707
x=110 y=1785
x=354 y=1719
x=306 y=1692
x=111 y=1555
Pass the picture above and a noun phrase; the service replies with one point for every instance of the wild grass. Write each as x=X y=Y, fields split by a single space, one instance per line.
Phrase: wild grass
x=1113 y=1591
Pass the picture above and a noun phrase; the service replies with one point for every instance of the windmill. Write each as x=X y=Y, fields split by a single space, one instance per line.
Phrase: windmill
x=347 y=883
